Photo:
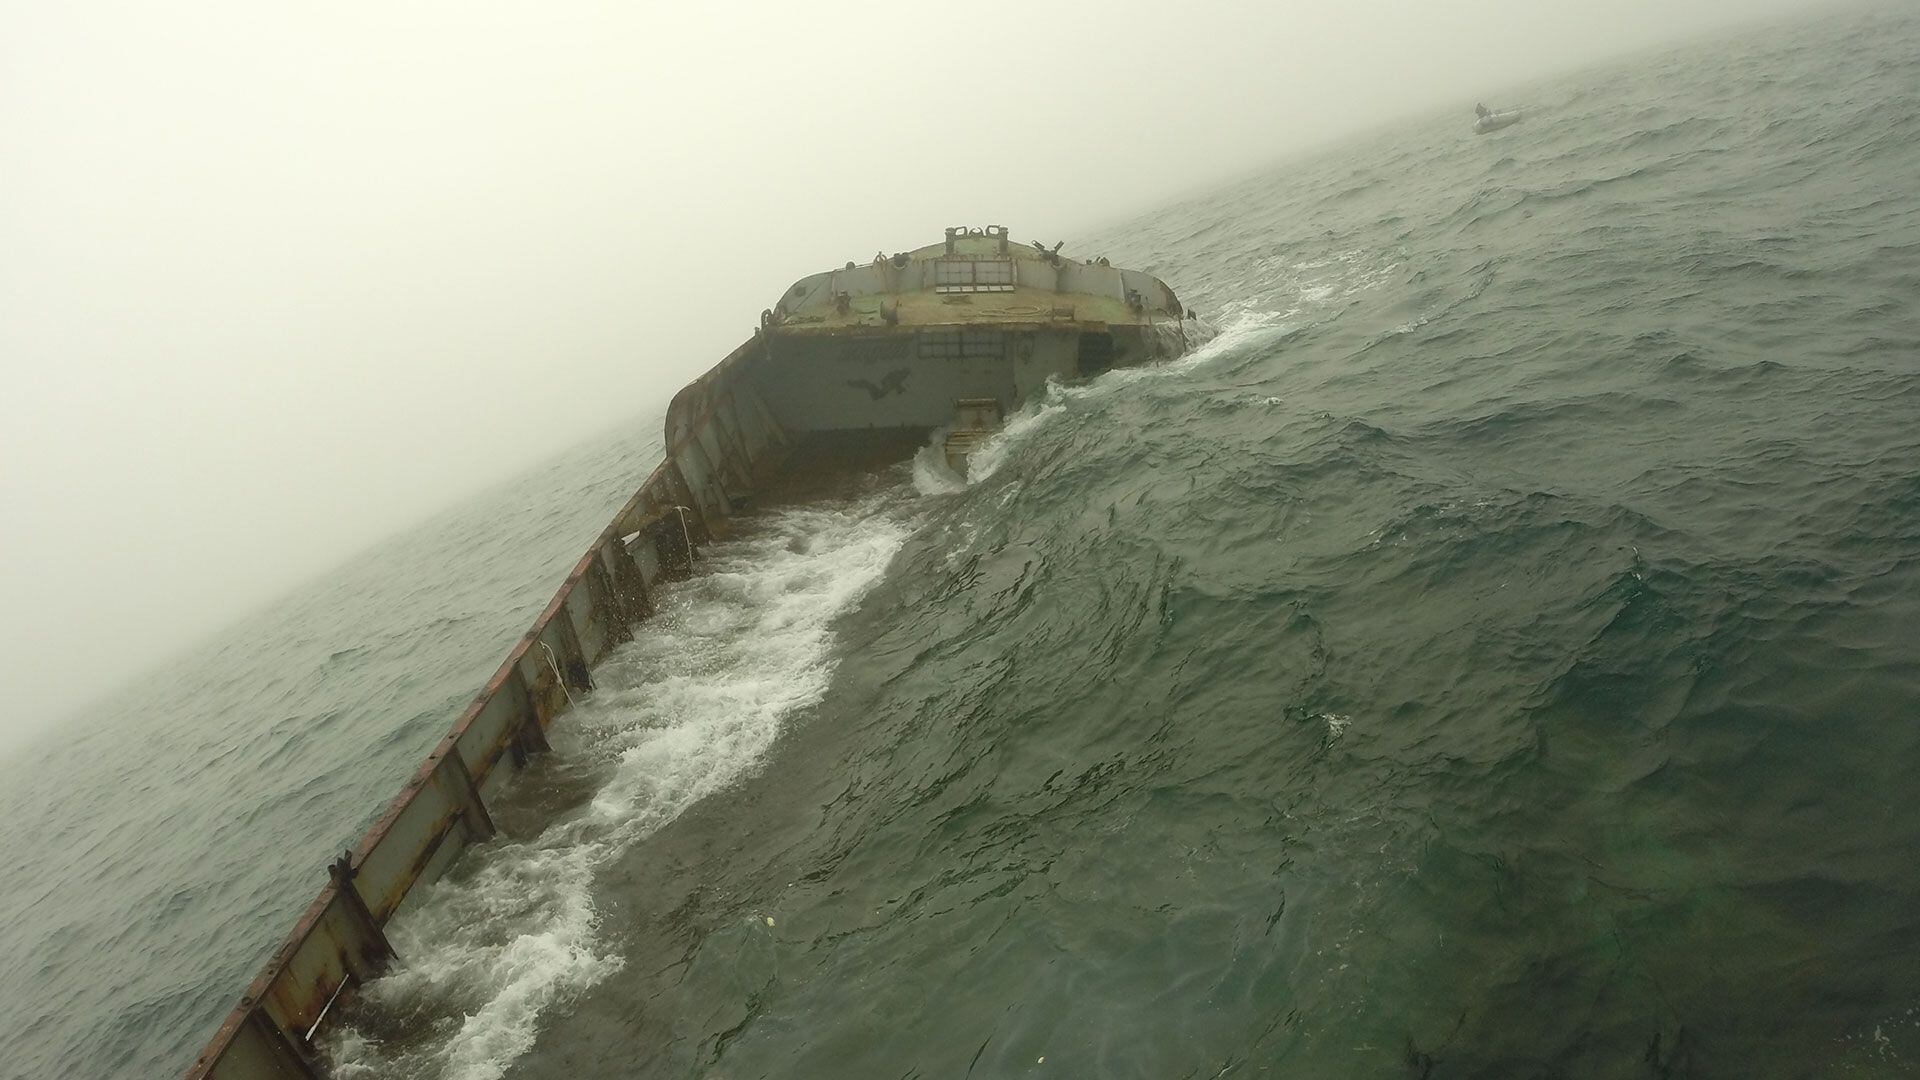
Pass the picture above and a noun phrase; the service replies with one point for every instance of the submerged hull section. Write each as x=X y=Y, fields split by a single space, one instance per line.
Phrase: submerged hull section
x=827 y=383
x=898 y=342
x=851 y=369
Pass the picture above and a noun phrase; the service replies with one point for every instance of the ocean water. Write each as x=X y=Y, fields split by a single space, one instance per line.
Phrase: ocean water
x=1496 y=654
x=160 y=848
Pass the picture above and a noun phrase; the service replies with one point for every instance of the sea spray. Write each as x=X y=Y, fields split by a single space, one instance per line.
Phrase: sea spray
x=689 y=706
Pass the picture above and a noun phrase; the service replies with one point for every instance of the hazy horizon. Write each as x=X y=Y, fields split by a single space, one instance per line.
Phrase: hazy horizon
x=280 y=285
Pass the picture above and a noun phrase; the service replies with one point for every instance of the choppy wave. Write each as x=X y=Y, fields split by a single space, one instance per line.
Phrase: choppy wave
x=1464 y=666
x=683 y=711
x=1491 y=655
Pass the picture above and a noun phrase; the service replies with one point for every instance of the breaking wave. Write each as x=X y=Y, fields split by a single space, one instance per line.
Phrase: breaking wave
x=681 y=712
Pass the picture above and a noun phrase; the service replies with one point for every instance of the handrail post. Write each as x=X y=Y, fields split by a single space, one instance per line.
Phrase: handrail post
x=689 y=496
x=607 y=601
x=467 y=794
x=631 y=597
x=573 y=659
x=530 y=735
x=376 y=951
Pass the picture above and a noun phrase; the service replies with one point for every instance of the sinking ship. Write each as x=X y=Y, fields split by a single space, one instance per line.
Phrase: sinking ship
x=851 y=369
x=954 y=336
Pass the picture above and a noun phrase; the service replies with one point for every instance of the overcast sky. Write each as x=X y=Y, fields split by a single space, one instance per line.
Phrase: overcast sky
x=279 y=279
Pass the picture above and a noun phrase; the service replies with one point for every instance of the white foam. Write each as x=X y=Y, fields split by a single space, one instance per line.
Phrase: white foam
x=931 y=476
x=1032 y=416
x=1245 y=324
x=688 y=708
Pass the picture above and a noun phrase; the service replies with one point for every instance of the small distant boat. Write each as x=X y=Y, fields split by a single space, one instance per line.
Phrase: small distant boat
x=1494 y=121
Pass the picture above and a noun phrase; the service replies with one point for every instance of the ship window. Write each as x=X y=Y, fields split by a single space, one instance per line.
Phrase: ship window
x=963 y=344
x=973 y=275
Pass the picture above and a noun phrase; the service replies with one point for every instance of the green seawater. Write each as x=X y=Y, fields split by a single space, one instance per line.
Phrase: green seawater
x=1496 y=654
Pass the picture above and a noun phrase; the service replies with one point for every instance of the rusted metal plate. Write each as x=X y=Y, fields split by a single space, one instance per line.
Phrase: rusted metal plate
x=589 y=618
x=483 y=739
x=395 y=862
x=259 y=1049
x=332 y=949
